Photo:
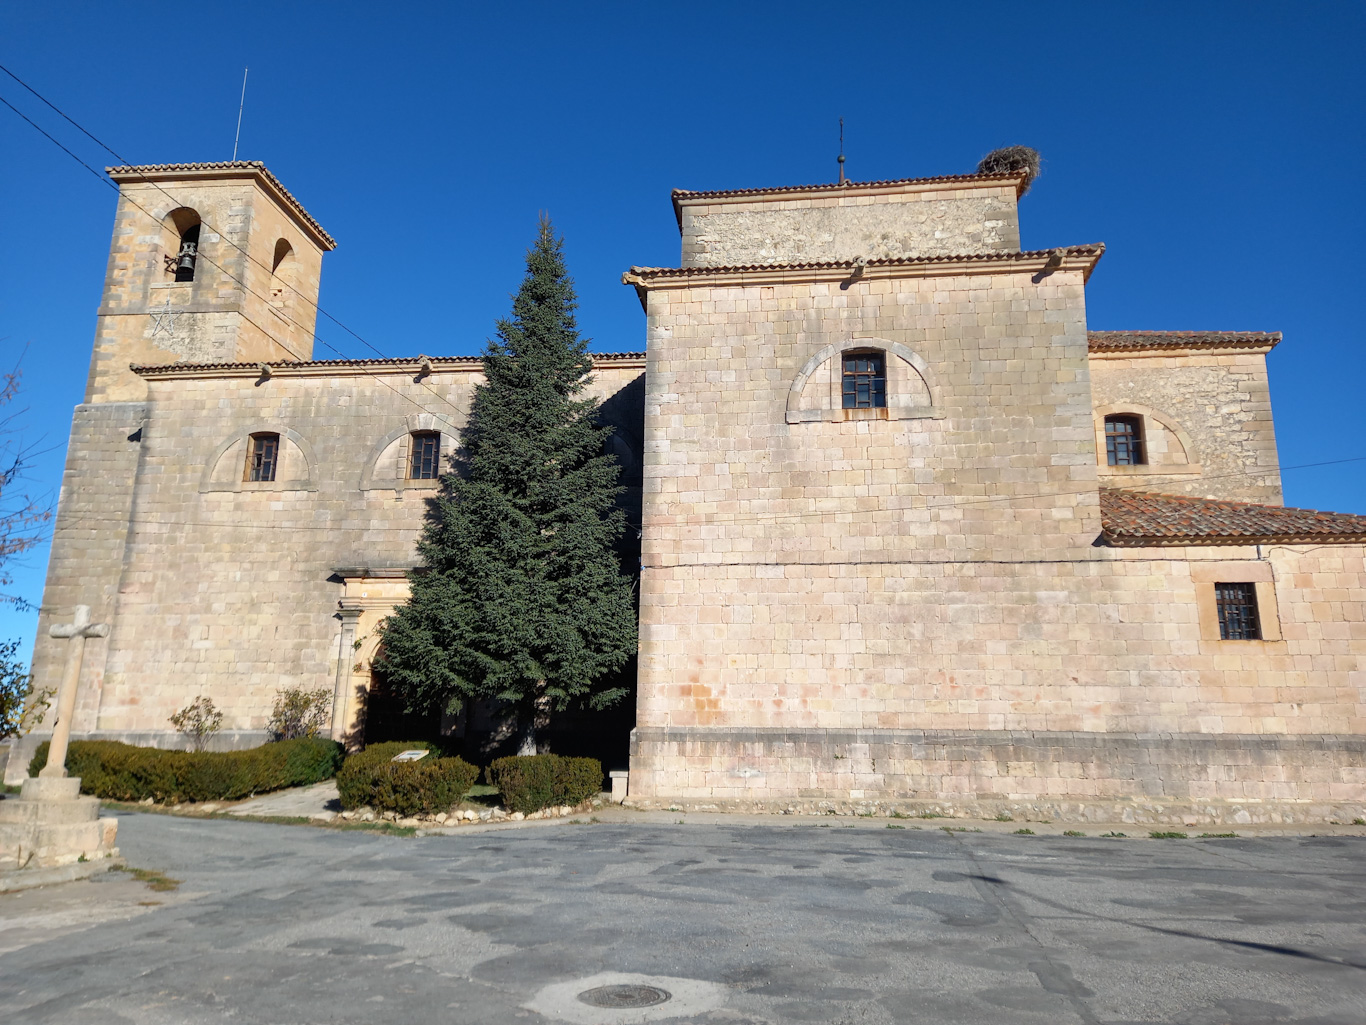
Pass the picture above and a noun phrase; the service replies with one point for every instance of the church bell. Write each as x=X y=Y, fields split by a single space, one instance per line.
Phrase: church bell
x=184 y=265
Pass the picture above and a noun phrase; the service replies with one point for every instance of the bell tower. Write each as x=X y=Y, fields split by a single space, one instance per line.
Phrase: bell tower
x=209 y=263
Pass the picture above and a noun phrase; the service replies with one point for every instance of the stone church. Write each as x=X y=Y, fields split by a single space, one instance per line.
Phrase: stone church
x=912 y=535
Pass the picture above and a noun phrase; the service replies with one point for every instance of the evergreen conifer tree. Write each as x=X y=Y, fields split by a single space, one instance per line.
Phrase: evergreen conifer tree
x=521 y=595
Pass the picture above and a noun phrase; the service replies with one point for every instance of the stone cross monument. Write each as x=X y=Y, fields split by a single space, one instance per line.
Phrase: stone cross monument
x=77 y=631
x=51 y=828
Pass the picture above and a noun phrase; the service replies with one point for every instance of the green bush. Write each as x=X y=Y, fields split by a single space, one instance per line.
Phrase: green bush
x=531 y=782
x=122 y=772
x=420 y=788
x=355 y=781
x=371 y=777
x=377 y=753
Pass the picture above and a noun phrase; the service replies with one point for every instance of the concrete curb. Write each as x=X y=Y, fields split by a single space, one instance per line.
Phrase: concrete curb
x=1092 y=830
x=614 y=814
x=28 y=878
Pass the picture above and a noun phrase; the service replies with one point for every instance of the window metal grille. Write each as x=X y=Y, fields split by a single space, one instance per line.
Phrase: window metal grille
x=264 y=457
x=1124 y=441
x=1237 y=605
x=865 y=381
x=426 y=456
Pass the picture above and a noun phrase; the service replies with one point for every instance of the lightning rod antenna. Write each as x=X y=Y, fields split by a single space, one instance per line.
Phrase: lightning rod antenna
x=841 y=157
x=240 y=105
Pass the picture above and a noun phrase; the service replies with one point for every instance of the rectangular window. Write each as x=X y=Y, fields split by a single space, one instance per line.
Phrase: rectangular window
x=1237 y=606
x=865 y=381
x=1123 y=441
x=426 y=459
x=263 y=457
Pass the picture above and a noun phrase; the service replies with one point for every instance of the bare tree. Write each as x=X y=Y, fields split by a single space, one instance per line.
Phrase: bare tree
x=23 y=518
x=23 y=522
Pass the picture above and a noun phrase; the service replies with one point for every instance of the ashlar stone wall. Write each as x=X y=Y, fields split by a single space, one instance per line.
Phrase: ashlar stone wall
x=227 y=588
x=872 y=609
x=841 y=222
x=240 y=305
x=1207 y=422
x=89 y=539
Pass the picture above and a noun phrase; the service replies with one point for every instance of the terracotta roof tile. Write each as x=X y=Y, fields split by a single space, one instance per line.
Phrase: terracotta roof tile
x=322 y=364
x=1144 y=518
x=1137 y=341
x=133 y=172
x=679 y=194
x=1094 y=249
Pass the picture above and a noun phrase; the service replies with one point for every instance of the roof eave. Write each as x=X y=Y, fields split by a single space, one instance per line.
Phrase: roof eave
x=1083 y=258
x=412 y=366
x=1181 y=343
x=1229 y=540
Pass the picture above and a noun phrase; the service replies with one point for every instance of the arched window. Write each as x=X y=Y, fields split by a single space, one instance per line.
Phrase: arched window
x=263 y=457
x=424 y=462
x=864 y=384
x=183 y=239
x=1124 y=441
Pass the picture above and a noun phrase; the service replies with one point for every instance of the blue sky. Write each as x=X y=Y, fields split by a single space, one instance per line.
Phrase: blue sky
x=1215 y=148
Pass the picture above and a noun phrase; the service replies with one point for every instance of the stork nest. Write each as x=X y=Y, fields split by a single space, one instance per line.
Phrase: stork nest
x=1013 y=160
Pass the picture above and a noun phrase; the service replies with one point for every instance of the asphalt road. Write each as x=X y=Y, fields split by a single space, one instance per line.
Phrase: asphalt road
x=798 y=922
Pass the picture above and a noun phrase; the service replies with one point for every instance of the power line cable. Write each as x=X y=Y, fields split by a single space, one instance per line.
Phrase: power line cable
x=84 y=520
x=124 y=161
x=227 y=273
x=754 y=517
x=703 y=519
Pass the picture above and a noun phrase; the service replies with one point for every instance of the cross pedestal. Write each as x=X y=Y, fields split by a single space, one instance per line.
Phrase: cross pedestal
x=50 y=824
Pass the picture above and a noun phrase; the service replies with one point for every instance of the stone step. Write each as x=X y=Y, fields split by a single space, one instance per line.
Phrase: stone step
x=25 y=845
x=22 y=846
x=49 y=813
x=44 y=788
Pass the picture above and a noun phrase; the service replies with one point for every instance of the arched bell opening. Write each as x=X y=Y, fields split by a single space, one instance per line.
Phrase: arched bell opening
x=181 y=228
x=284 y=266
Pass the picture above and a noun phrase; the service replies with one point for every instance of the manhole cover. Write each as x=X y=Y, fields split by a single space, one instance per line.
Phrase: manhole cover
x=625 y=996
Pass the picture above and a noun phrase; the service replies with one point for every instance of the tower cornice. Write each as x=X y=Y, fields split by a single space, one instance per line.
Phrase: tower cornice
x=228 y=169
x=1043 y=262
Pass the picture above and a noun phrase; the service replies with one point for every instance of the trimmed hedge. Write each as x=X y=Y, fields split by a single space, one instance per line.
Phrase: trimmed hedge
x=531 y=782
x=122 y=772
x=354 y=780
x=371 y=777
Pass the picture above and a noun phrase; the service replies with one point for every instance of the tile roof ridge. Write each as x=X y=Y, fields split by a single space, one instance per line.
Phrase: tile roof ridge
x=1120 y=341
x=1002 y=176
x=299 y=364
x=1233 y=503
x=1178 y=333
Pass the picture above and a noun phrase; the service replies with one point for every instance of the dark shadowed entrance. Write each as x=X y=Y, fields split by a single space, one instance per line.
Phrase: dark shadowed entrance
x=387 y=717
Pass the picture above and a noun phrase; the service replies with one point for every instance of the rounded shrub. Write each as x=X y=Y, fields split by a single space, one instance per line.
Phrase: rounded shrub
x=529 y=783
x=354 y=781
x=371 y=777
x=420 y=788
